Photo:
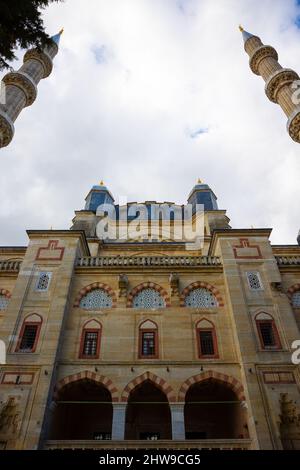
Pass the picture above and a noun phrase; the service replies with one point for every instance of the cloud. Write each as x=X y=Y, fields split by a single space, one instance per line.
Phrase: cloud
x=197 y=132
x=130 y=78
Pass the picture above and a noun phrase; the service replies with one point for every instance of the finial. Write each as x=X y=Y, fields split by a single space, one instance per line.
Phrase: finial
x=101 y=183
x=199 y=181
x=241 y=28
x=56 y=37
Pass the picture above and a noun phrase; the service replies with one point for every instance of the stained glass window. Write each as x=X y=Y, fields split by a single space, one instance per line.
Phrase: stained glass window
x=148 y=298
x=96 y=299
x=200 y=298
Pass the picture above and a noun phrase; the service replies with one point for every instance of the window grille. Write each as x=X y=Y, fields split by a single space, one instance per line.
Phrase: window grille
x=201 y=298
x=148 y=298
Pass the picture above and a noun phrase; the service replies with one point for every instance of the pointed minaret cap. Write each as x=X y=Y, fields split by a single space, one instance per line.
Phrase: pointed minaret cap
x=56 y=37
x=245 y=34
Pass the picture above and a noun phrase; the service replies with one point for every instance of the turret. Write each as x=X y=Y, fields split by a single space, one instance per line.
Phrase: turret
x=98 y=195
x=202 y=194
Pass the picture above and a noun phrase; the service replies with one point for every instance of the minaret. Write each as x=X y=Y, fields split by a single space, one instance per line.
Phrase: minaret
x=21 y=86
x=279 y=80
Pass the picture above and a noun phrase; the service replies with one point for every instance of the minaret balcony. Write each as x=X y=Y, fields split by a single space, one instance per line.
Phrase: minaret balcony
x=293 y=125
x=259 y=54
x=41 y=56
x=25 y=83
x=279 y=79
x=7 y=129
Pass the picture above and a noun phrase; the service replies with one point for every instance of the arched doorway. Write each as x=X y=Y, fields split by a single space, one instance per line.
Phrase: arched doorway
x=83 y=411
x=148 y=415
x=213 y=411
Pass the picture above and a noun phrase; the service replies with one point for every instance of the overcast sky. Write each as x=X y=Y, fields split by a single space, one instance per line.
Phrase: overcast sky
x=149 y=95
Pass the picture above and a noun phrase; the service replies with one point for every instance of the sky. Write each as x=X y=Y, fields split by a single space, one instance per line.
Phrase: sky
x=149 y=96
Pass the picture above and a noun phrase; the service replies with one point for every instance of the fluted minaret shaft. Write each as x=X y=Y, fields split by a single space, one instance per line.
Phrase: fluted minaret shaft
x=279 y=81
x=21 y=86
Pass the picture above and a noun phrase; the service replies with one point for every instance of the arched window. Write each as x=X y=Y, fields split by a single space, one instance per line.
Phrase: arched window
x=296 y=299
x=3 y=302
x=148 y=340
x=90 y=340
x=206 y=340
x=267 y=332
x=96 y=300
x=200 y=298
x=148 y=298
x=29 y=334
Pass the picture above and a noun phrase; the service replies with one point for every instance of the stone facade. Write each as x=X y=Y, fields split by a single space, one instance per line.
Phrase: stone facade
x=37 y=381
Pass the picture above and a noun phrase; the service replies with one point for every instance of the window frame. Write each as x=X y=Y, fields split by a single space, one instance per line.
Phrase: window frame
x=257 y=273
x=278 y=345
x=49 y=274
x=156 y=345
x=212 y=329
x=82 y=342
x=22 y=331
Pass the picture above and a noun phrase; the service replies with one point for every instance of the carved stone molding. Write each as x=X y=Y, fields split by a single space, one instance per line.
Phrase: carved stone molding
x=42 y=57
x=278 y=80
x=259 y=54
x=123 y=285
x=7 y=129
x=25 y=83
x=293 y=125
x=174 y=283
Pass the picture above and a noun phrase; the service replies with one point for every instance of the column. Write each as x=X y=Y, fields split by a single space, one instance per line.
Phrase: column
x=177 y=416
x=118 y=424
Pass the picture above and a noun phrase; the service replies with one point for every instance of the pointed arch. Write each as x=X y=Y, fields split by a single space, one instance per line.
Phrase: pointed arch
x=148 y=323
x=231 y=382
x=157 y=381
x=148 y=285
x=87 y=374
x=96 y=285
x=205 y=323
x=203 y=285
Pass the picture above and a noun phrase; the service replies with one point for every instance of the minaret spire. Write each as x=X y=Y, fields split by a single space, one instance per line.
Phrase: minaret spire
x=279 y=80
x=21 y=86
